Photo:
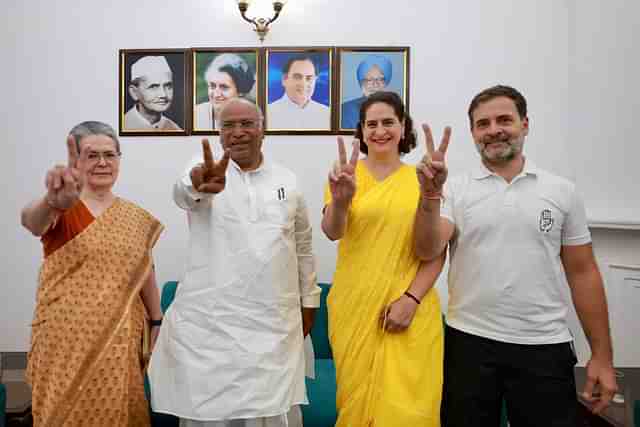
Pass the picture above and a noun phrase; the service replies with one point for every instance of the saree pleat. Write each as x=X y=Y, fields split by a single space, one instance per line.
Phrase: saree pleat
x=85 y=363
x=383 y=379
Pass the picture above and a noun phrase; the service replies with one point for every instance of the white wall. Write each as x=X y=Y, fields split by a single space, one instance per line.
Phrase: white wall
x=64 y=70
x=621 y=247
x=604 y=66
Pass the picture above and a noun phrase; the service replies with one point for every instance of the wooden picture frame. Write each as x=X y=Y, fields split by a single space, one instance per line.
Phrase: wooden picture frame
x=299 y=90
x=360 y=71
x=219 y=74
x=153 y=87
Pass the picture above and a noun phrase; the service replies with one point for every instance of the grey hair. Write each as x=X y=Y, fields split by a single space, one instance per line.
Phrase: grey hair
x=236 y=67
x=88 y=128
x=255 y=106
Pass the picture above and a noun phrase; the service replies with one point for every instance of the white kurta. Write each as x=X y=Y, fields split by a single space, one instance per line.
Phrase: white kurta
x=286 y=114
x=231 y=343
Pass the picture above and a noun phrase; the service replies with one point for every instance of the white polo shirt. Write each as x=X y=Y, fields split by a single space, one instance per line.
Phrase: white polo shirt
x=505 y=278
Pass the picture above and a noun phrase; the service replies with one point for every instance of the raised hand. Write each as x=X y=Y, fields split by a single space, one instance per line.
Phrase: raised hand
x=432 y=170
x=63 y=182
x=342 y=178
x=209 y=177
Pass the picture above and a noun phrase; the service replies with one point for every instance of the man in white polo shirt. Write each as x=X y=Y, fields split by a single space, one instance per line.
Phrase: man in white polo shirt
x=516 y=234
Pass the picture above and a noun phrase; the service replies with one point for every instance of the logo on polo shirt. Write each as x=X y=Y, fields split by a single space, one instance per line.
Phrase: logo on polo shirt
x=546 y=220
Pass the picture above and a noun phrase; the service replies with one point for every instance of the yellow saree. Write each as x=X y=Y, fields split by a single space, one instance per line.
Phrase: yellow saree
x=85 y=363
x=383 y=379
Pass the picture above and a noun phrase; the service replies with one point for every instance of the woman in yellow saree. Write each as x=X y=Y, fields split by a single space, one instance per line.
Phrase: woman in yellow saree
x=96 y=291
x=385 y=322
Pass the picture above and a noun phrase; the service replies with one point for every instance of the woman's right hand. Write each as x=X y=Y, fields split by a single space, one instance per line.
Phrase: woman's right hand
x=63 y=183
x=342 y=178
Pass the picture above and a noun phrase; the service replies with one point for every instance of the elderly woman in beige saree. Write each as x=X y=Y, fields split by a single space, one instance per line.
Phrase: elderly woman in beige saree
x=96 y=293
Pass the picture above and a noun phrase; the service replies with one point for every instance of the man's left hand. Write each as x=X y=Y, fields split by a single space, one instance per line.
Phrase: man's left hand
x=308 y=317
x=600 y=375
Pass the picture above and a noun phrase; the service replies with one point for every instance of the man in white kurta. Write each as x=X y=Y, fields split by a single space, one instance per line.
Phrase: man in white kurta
x=230 y=350
x=295 y=109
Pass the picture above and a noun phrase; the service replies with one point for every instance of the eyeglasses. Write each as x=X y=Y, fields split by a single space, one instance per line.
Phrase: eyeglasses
x=378 y=81
x=243 y=124
x=107 y=156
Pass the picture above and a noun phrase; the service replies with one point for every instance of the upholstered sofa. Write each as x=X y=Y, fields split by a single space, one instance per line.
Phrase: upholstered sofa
x=3 y=405
x=321 y=411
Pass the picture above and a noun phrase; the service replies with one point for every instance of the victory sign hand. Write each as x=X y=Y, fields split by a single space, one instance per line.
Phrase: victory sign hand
x=342 y=178
x=432 y=170
x=209 y=177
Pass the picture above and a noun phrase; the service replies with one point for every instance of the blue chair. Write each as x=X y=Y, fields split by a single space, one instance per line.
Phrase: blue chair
x=321 y=391
x=321 y=411
x=158 y=419
x=168 y=294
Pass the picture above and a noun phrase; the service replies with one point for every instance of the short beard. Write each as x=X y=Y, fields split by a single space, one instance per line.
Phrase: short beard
x=513 y=149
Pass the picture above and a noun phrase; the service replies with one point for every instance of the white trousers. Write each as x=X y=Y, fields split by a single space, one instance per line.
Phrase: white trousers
x=291 y=419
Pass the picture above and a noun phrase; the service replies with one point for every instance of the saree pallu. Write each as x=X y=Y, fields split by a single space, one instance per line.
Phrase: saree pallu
x=383 y=379
x=85 y=362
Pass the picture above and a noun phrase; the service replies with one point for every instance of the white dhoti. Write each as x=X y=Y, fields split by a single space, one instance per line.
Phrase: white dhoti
x=292 y=419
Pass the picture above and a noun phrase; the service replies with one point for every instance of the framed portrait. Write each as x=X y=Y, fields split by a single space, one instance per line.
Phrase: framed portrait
x=153 y=92
x=220 y=74
x=363 y=71
x=299 y=90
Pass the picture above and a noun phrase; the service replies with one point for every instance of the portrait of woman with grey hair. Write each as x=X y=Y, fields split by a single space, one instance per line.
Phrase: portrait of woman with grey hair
x=227 y=75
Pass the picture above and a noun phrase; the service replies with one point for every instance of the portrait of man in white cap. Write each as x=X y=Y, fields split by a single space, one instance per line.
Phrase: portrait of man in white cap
x=151 y=89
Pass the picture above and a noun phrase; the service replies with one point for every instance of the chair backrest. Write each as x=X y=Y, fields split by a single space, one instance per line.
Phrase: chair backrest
x=168 y=294
x=320 y=330
x=3 y=404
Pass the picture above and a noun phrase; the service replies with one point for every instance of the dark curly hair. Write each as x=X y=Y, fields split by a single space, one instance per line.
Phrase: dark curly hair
x=408 y=142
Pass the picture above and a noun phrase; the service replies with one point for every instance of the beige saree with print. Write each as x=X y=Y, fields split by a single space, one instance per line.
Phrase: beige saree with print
x=86 y=360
